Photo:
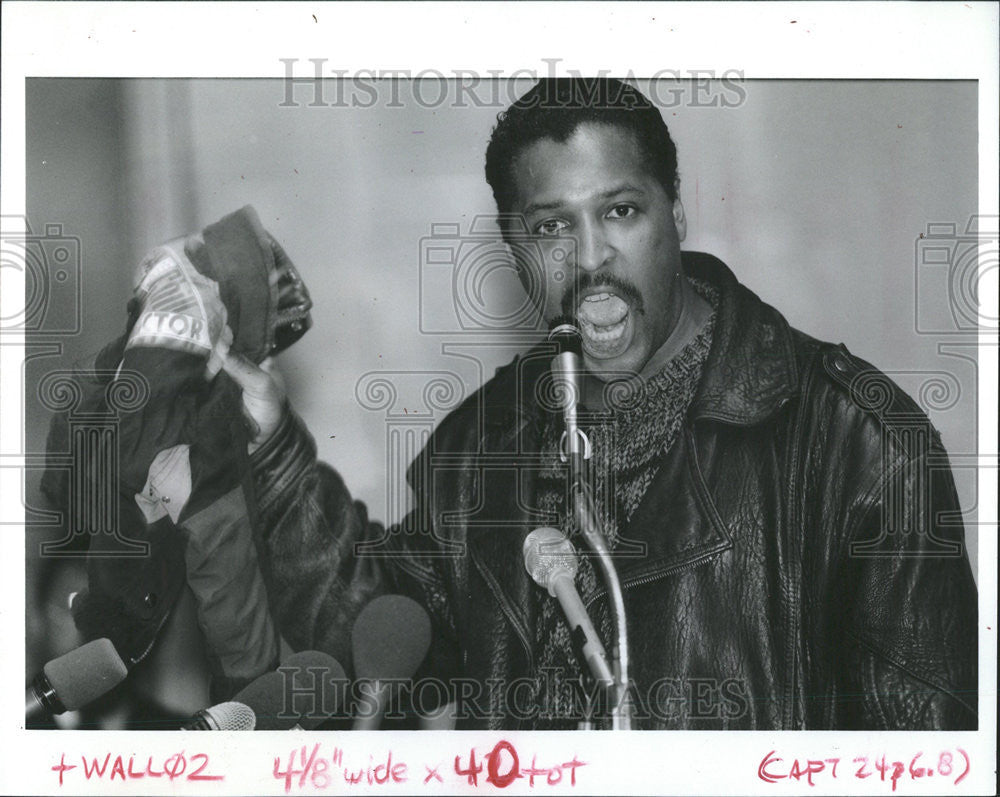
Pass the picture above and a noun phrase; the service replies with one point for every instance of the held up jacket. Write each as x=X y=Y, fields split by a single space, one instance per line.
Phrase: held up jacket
x=804 y=562
x=147 y=459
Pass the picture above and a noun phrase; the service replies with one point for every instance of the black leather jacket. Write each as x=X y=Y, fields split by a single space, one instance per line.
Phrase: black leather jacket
x=804 y=563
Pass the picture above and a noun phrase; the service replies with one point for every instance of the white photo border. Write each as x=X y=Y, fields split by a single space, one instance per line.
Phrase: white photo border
x=826 y=40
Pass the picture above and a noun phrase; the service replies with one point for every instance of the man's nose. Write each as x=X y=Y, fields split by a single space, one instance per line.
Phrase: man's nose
x=593 y=249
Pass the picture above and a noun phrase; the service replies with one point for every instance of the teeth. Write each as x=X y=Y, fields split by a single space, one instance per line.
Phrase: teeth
x=602 y=310
x=603 y=334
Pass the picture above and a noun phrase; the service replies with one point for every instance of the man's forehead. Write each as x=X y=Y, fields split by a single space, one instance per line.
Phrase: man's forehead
x=595 y=162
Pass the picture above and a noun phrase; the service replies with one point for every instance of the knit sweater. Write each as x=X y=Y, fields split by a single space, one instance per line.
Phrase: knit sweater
x=628 y=439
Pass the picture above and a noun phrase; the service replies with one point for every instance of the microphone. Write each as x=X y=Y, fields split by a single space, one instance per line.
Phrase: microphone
x=551 y=562
x=268 y=703
x=272 y=696
x=74 y=679
x=391 y=637
x=566 y=368
x=231 y=716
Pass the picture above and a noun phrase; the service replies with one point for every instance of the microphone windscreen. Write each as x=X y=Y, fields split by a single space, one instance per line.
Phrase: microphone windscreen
x=564 y=333
x=266 y=698
x=281 y=700
x=308 y=664
x=84 y=674
x=547 y=553
x=231 y=716
x=390 y=638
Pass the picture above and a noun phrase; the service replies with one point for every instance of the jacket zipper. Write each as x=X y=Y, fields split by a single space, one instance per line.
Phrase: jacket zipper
x=509 y=615
x=156 y=635
x=638 y=582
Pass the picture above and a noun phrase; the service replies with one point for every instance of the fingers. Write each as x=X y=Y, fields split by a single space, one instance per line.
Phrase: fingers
x=269 y=367
x=263 y=390
x=248 y=376
x=263 y=396
x=219 y=353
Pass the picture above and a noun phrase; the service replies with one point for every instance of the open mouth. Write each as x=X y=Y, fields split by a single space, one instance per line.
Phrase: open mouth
x=605 y=324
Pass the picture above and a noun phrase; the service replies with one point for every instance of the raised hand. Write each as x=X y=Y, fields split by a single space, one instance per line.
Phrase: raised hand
x=263 y=392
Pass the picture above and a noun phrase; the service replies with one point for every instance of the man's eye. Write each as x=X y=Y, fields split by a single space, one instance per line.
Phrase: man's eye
x=550 y=227
x=621 y=211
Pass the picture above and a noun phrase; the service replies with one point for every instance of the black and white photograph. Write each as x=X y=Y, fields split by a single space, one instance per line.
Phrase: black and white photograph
x=437 y=394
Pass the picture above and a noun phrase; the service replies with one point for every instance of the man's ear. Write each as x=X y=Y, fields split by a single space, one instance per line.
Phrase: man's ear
x=680 y=221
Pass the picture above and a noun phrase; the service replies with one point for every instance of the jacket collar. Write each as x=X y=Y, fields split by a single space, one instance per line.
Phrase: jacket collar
x=751 y=369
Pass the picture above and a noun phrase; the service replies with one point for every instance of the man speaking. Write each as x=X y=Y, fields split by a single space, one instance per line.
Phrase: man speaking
x=779 y=515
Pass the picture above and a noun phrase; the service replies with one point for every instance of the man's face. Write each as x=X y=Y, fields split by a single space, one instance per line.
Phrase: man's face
x=620 y=282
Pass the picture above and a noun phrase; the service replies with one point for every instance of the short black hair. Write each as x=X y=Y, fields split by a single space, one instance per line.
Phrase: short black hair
x=554 y=107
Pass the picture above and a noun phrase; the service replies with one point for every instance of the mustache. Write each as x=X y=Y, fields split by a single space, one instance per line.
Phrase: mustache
x=588 y=281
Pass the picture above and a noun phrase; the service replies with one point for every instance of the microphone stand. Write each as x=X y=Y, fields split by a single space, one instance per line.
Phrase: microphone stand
x=575 y=449
x=587 y=521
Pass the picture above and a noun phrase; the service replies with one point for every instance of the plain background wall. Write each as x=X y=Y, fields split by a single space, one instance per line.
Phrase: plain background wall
x=815 y=193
